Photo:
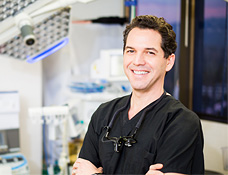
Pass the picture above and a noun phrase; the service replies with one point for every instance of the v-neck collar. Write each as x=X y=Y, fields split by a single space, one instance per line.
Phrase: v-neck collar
x=129 y=124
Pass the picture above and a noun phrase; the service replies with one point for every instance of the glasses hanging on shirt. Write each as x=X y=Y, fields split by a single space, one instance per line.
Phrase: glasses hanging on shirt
x=127 y=141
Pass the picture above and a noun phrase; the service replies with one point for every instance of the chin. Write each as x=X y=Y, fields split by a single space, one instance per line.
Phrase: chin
x=139 y=88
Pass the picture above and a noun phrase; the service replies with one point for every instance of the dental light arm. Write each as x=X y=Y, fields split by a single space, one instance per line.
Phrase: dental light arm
x=25 y=18
x=25 y=25
x=32 y=25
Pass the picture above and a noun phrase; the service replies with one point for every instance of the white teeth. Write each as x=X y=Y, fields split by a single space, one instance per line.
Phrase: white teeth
x=140 y=72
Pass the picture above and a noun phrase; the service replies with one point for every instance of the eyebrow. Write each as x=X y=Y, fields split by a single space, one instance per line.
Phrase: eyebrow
x=152 y=48
x=129 y=47
x=149 y=48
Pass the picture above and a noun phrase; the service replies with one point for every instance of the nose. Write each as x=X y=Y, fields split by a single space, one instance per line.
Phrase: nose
x=139 y=59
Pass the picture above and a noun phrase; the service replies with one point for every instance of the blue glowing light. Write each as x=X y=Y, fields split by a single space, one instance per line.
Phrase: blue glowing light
x=48 y=52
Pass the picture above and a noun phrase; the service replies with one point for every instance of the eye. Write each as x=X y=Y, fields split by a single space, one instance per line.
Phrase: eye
x=130 y=51
x=150 y=53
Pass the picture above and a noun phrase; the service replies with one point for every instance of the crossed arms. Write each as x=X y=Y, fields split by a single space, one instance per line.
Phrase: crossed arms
x=85 y=167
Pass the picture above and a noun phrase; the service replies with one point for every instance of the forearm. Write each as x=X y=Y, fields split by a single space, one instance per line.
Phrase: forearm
x=85 y=167
x=155 y=170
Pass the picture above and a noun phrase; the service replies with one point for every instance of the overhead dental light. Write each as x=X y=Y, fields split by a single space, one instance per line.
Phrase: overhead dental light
x=33 y=29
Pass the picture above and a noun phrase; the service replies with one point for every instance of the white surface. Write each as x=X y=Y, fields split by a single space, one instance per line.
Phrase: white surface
x=9 y=110
x=6 y=170
x=109 y=66
x=215 y=137
x=9 y=102
x=9 y=121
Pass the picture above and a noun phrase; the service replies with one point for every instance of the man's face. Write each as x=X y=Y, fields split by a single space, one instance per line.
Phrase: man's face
x=144 y=62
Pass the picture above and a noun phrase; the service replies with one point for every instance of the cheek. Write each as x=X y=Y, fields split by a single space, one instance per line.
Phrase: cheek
x=151 y=63
x=124 y=65
x=125 y=62
x=126 y=69
x=157 y=65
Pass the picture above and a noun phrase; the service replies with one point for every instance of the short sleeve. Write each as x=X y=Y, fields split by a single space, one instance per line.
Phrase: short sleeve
x=178 y=144
x=89 y=150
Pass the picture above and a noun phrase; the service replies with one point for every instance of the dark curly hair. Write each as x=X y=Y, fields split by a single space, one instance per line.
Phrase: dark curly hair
x=168 y=44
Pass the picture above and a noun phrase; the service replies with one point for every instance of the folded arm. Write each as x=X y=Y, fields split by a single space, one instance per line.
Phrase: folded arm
x=85 y=167
x=154 y=170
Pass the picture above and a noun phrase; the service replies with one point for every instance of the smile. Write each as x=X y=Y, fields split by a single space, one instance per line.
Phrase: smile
x=140 y=72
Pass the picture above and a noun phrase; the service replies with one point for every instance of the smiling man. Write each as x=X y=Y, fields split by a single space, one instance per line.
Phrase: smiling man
x=148 y=132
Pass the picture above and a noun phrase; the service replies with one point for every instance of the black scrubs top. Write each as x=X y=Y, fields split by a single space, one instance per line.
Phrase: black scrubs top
x=169 y=134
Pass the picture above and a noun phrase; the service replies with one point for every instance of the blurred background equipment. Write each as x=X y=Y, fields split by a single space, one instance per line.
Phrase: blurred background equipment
x=9 y=121
x=12 y=162
x=61 y=126
x=33 y=29
x=15 y=164
x=109 y=66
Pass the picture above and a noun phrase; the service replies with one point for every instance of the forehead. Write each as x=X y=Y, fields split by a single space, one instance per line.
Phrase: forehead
x=144 y=37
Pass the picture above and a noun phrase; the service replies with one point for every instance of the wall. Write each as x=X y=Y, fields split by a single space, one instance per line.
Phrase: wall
x=27 y=80
x=215 y=137
x=98 y=8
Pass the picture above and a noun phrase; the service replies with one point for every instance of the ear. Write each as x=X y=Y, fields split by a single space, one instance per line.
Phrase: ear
x=170 y=62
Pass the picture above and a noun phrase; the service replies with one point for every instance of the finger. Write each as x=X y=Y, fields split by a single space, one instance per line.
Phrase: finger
x=154 y=172
x=100 y=169
x=80 y=160
x=156 y=166
x=76 y=165
x=77 y=162
x=74 y=172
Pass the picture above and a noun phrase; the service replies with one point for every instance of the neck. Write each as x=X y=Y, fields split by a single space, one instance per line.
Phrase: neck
x=140 y=100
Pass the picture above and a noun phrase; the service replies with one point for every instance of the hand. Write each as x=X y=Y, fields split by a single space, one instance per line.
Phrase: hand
x=154 y=169
x=85 y=167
